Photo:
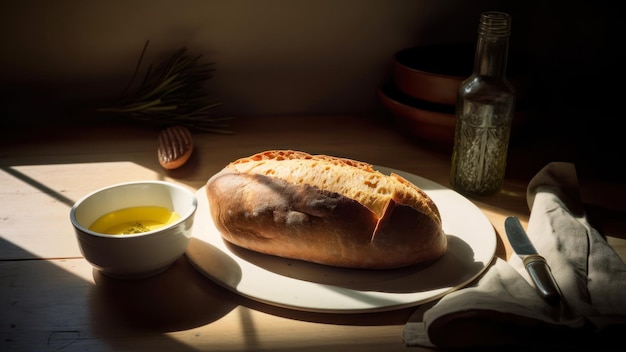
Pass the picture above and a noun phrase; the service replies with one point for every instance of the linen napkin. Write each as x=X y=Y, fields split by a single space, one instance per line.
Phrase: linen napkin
x=503 y=308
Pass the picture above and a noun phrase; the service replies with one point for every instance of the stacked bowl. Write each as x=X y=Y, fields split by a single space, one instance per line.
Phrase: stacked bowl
x=421 y=93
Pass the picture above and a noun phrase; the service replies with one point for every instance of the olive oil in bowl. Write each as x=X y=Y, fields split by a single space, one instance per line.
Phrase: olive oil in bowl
x=134 y=220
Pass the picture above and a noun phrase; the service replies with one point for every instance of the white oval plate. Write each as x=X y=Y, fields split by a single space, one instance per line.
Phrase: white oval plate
x=312 y=287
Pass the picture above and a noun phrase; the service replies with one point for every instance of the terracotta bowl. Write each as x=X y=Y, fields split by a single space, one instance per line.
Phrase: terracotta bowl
x=434 y=72
x=428 y=123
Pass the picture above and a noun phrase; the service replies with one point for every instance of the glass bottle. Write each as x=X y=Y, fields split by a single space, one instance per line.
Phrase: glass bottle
x=484 y=112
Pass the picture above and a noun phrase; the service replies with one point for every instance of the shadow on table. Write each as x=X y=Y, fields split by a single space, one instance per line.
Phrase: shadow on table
x=178 y=299
x=50 y=305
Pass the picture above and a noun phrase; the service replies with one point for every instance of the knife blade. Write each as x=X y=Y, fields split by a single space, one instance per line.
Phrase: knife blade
x=535 y=264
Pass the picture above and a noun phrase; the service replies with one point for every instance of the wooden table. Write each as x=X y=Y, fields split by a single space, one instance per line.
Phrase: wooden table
x=52 y=299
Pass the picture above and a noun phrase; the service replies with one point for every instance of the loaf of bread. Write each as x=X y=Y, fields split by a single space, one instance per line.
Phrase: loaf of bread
x=325 y=209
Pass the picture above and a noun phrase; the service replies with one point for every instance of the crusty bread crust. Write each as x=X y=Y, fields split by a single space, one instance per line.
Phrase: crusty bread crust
x=324 y=209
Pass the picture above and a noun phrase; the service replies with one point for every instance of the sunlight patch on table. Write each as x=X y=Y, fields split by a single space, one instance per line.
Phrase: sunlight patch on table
x=38 y=198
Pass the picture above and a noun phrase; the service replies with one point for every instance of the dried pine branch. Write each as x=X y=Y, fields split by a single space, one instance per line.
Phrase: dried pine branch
x=172 y=93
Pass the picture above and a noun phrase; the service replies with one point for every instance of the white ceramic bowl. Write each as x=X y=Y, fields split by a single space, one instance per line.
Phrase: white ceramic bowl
x=141 y=255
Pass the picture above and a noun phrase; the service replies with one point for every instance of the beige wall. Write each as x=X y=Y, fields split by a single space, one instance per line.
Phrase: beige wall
x=273 y=56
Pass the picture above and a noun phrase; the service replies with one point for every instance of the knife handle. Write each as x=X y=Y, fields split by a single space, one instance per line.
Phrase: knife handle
x=541 y=275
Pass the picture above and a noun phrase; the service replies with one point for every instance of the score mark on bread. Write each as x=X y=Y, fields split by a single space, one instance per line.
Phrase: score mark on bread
x=325 y=209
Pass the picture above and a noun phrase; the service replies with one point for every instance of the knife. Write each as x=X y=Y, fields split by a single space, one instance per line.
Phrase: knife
x=535 y=264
